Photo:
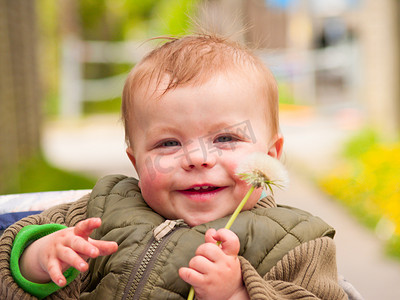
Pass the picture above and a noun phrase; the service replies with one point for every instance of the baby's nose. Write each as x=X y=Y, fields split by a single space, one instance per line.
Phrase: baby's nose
x=196 y=157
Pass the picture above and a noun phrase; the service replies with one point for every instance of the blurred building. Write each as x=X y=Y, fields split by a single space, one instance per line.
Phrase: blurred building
x=331 y=52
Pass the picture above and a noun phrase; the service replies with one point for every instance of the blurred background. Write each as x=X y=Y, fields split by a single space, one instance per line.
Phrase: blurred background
x=337 y=62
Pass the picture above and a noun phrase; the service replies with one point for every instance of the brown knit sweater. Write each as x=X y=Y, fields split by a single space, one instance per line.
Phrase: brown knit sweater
x=306 y=272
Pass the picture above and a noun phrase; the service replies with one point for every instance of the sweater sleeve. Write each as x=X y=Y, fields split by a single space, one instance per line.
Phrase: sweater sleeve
x=66 y=214
x=307 y=272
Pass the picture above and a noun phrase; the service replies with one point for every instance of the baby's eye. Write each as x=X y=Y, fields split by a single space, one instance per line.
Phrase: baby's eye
x=169 y=143
x=225 y=139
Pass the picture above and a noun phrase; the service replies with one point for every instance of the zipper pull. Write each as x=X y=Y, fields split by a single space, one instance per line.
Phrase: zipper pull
x=166 y=227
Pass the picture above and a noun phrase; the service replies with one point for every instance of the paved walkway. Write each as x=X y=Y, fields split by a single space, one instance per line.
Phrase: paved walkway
x=96 y=146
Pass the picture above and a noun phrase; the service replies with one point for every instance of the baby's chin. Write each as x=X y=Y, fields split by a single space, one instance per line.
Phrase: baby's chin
x=199 y=220
x=196 y=221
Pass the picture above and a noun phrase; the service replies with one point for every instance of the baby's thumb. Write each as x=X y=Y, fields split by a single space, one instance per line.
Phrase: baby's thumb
x=210 y=236
x=228 y=240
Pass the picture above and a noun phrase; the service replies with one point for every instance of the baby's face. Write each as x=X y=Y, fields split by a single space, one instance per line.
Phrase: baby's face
x=187 y=144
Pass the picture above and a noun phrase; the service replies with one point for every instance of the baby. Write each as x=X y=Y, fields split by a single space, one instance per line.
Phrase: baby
x=193 y=108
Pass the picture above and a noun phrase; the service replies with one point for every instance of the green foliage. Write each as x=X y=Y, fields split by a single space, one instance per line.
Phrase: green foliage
x=97 y=23
x=285 y=94
x=367 y=183
x=102 y=107
x=119 y=20
x=101 y=70
x=37 y=175
x=172 y=17
x=393 y=246
x=51 y=104
x=361 y=143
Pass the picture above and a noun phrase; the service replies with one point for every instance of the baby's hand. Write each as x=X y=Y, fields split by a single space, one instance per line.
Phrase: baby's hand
x=215 y=271
x=48 y=257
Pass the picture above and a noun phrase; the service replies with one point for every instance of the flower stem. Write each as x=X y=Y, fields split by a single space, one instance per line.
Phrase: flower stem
x=239 y=208
x=191 y=294
x=228 y=225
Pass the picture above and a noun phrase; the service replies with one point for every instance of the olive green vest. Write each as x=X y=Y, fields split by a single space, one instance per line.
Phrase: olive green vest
x=147 y=268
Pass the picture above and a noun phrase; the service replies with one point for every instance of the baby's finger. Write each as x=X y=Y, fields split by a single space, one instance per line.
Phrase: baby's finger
x=105 y=247
x=86 y=227
x=191 y=276
x=84 y=247
x=211 y=251
x=55 y=273
x=71 y=258
x=201 y=264
x=229 y=241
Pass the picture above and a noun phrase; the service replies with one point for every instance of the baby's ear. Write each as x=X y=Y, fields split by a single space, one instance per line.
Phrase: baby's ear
x=129 y=152
x=276 y=148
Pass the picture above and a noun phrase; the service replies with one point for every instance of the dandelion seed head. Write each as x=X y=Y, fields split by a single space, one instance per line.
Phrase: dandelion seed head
x=262 y=170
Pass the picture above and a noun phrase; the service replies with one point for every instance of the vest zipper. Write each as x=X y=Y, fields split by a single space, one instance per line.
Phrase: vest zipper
x=143 y=267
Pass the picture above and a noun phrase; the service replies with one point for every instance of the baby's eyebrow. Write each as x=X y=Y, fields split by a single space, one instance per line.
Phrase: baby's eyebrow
x=161 y=130
x=220 y=127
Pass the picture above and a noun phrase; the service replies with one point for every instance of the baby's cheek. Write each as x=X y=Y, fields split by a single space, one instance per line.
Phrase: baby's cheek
x=255 y=196
x=149 y=181
x=155 y=191
x=151 y=186
x=154 y=168
x=155 y=176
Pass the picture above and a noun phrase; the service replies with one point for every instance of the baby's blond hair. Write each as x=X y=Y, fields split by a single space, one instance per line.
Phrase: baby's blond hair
x=194 y=59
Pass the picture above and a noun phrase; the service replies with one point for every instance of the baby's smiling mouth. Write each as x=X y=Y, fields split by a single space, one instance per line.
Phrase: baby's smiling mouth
x=202 y=193
x=202 y=189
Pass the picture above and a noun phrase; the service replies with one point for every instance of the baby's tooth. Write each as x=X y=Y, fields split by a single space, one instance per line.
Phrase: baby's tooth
x=204 y=187
x=196 y=188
